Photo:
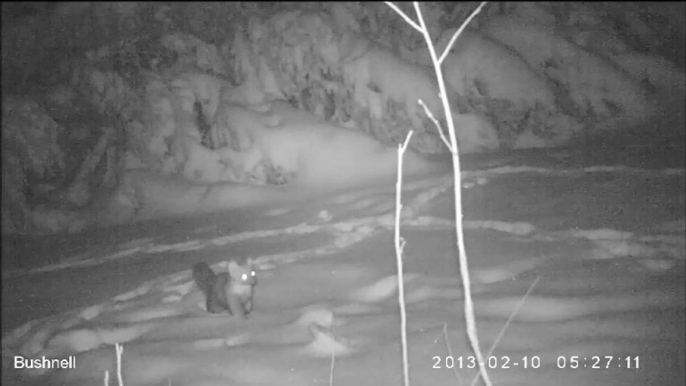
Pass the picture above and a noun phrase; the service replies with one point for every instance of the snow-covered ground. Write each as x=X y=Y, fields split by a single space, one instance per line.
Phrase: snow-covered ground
x=599 y=229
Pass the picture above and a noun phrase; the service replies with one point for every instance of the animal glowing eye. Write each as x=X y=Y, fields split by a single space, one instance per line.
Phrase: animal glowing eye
x=244 y=277
x=253 y=273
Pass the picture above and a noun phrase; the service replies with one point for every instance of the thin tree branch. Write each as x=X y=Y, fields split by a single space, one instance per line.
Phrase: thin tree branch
x=459 y=32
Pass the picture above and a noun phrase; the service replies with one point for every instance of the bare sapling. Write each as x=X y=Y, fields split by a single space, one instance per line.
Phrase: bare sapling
x=399 y=247
x=451 y=143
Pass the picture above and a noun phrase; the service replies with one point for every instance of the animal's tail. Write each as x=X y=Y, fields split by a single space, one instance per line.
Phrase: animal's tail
x=204 y=277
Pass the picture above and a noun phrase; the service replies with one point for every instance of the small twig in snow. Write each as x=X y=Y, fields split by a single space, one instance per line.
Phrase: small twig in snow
x=507 y=323
x=450 y=351
x=333 y=360
x=119 y=349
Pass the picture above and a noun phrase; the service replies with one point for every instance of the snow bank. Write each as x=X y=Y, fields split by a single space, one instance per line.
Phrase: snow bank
x=379 y=79
x=312 y=153
x=593 y=85
x=478 y=66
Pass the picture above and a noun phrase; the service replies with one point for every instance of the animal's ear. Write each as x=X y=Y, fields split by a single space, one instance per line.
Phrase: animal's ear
x=233 y=268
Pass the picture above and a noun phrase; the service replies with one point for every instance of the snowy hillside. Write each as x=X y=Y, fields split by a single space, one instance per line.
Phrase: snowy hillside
x=186 y=118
